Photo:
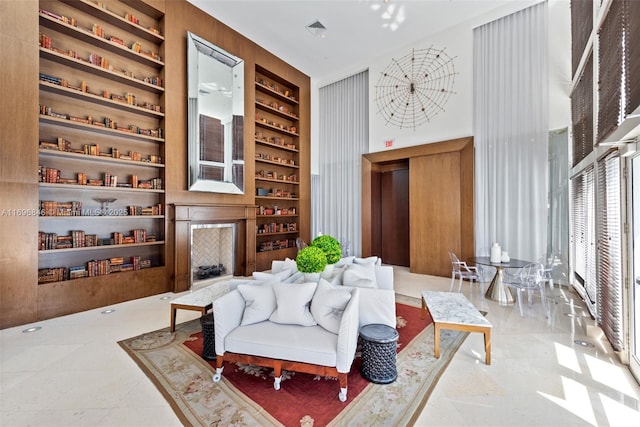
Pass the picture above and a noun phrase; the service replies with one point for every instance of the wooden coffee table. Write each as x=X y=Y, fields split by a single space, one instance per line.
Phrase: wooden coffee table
x=452 y=310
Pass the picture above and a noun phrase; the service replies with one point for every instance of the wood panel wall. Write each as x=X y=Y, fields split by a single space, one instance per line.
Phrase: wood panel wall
x=441 y=206
x=21 y=300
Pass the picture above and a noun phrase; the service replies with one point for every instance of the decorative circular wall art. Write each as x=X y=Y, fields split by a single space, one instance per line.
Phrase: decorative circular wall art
x=416 y=87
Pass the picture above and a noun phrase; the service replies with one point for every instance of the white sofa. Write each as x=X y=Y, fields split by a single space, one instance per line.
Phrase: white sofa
x=240 y=337
x=377 y=302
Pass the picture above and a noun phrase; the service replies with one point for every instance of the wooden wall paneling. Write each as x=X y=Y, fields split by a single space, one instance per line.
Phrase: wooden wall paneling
x=18 y=162
x=467 y=199
x=434 y=212
x=394 y=205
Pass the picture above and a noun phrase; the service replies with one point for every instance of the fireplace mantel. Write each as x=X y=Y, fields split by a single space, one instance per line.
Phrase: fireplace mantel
x=244 y=216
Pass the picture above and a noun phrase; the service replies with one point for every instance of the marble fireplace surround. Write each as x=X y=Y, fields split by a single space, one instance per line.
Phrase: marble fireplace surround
x=244 y=218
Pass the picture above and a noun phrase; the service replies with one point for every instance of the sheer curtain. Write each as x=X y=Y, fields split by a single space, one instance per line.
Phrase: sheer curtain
x=344 y=138
x=511 y=133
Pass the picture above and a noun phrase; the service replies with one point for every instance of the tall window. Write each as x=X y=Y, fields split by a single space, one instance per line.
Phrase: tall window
x=583 y=233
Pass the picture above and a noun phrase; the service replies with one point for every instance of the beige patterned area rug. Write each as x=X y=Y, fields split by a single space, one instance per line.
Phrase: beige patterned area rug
x=245 y=395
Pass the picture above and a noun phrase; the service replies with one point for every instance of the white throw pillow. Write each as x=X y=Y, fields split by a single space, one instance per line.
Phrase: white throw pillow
x=297 y=277
x=367 y=260
x=345 y=261
x=292 y=301
x=259 y=302
x=336 y=276
x=360 y=275
x=281 y=275
x=287 y=264
x=328 y=304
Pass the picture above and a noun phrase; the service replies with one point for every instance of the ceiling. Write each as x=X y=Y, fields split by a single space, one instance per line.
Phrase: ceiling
x=356 y=30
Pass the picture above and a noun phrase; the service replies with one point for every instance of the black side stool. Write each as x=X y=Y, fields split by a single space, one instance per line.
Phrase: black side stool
x=379 y=353
x=208 y=337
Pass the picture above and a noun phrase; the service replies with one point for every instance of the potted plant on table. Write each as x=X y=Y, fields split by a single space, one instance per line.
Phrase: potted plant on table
x=311 y=261
x=332 y=250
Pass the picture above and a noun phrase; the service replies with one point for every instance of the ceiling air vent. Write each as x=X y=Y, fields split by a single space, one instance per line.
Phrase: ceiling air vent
x=316 y=28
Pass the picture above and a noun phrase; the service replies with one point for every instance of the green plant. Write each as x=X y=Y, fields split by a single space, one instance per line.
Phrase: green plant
x=330 y=246
x=311 y=260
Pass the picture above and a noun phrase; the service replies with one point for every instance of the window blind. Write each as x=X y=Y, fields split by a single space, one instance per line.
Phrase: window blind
x=609 y=292
x=583 y=233
x=610 y=63
x=582 y=114
x=581 y=25
x=632 y=61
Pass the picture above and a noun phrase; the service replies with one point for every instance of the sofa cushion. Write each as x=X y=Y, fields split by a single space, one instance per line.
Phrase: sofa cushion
x=292 y=301
x=281 y=275
x=360 y=276
x=328 y=304
x=297 y=277
x=260 y=302
x=288 y=264
x=372 y=259
x=309 y=344
x=344 y=261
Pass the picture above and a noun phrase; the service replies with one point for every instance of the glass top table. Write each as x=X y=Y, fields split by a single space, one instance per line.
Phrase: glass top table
x=497 y=291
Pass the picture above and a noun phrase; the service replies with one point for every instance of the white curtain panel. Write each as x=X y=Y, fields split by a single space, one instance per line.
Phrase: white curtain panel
x=511 y=133
x=343 y=139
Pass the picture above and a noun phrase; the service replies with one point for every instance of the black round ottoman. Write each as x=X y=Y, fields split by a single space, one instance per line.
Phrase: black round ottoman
x=208 y=337
x=378 y=353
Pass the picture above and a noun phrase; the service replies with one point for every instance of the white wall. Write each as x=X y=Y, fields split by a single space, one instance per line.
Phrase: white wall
x=457 y=119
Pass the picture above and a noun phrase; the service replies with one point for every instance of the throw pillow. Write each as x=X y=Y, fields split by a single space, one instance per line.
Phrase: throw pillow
x=367 y=260
x=287 y=264
x=259 y=302
x=297 y=277
x=281 y=275
x=345 y=261
x=336 y=276
x=360 y=275
x=328 y=304
x=292 y=301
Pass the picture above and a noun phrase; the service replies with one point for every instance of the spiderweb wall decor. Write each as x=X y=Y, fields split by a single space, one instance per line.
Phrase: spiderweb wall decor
x=416 y=87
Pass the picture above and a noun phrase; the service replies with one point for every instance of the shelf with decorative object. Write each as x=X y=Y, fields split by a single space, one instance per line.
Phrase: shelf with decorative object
x=101 y=124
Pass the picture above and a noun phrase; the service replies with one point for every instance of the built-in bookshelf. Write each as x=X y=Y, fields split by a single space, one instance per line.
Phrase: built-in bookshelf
x=277 y=167
x=101 y=141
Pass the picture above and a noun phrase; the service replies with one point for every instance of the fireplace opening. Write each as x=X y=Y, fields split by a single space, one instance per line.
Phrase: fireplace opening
x=212 y=253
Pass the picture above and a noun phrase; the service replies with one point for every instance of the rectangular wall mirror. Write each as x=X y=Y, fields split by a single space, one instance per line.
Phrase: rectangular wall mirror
x=215 y=118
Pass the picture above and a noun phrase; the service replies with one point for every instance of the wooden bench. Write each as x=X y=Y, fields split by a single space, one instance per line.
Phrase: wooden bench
x=451 y=310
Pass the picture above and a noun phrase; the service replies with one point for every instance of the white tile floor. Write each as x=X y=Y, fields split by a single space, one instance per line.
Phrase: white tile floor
x=72 y=372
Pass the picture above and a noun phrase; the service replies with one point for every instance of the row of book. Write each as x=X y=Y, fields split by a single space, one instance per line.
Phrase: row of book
x=278 y=176
x=62 y=144
x=53 y=208
x=274 y=227
x=276 y=244
x=53 y=176
x=74 y=208
x=92 y=268
x=275 y=210
x=81 y=239
x=127 y=98
x=105 y=122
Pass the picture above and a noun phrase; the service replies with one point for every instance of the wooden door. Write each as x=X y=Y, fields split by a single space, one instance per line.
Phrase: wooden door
x=435 y=212
x=394 y=200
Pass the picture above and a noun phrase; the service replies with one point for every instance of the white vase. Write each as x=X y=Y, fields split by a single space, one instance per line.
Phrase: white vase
x=505 y=257
x=311 y=277
x=328 y=271
x=496 y=253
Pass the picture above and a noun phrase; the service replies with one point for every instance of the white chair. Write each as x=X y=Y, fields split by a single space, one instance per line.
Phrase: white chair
x=462 y=271
x=528 y=278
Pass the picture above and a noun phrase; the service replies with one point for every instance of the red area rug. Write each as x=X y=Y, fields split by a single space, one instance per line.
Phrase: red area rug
x=246 y=395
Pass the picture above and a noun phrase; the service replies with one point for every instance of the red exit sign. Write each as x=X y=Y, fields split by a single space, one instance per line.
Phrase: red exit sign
x=388 y=143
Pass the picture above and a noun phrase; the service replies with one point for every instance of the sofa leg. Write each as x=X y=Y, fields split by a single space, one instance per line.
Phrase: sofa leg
x=276 y=383
x=277 y=373
x=218 y=375
x=342 y=379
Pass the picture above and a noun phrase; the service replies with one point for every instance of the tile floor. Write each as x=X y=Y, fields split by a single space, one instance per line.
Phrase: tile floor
x=72 y=372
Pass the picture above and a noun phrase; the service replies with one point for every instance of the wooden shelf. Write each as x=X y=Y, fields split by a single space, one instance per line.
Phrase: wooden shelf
x=277 y=216
x=97 y=188
x=98 y=159
x=120 y=21
x=276 y=198
x=98 y=217
x=98 y=71
x=275 y=111
x=271 y=162
x=276 y=94
x=279 y=181
x=100 y=248
x=280 y=147
x=97 y=41
x=98 y=129
x=97 y=99
x=276 y=234
x=275 y=128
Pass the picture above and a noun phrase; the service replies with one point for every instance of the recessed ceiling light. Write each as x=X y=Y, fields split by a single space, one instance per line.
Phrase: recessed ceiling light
x=166 y=297
x=583 y=343
x=108 y=311
x=316 y=28
x=31 y=329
